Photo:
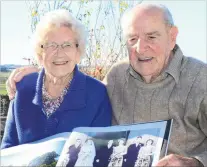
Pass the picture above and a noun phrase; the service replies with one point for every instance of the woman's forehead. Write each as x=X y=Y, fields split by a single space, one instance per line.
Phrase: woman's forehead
x=60 y=32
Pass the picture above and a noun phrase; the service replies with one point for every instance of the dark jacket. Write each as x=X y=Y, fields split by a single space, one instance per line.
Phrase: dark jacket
x=85 y=104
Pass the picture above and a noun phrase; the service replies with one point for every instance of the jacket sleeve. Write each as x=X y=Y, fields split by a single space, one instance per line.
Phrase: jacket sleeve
x=10 y=133
x=202 y=118
x=104 y=114
x=109 y=82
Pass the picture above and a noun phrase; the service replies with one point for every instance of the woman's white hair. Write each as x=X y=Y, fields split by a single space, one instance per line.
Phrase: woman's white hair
x=57 y=18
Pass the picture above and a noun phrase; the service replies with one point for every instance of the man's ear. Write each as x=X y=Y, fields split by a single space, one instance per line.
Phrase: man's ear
x=173 y=36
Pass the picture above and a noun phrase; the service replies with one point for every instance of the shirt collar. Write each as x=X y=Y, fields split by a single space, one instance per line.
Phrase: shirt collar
x=174 y=66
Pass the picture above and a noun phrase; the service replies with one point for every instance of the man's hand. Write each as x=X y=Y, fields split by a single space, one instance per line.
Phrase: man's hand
x=177 y=160
x=15 y=77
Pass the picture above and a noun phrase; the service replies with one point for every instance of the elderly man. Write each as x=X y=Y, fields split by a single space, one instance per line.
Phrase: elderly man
x=158 y=82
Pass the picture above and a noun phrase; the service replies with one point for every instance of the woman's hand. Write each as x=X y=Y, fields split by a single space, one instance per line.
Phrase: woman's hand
x=16 y=76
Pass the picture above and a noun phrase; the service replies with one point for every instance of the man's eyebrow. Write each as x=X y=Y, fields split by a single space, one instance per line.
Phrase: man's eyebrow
x=153 y=33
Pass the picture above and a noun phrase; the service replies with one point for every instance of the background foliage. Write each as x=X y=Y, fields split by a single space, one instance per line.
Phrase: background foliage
x=102 y=21
x=105 y=41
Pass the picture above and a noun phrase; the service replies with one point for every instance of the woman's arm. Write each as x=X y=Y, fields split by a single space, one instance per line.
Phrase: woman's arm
x=104 y=114
x=10 y=137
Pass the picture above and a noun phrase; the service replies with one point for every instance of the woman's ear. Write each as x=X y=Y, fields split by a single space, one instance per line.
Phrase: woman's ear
x=78 y=57
x=39 y=60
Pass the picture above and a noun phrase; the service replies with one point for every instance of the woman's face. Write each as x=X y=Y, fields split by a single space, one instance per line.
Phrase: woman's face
x=121 y=142
x=60 y=53
x=149 y=142
x=89 y=142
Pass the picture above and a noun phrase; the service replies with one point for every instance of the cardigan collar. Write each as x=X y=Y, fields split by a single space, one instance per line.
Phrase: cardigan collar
x=75 y=97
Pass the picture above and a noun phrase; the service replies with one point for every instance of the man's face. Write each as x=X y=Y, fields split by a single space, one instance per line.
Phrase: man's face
x=110 y=142
x=138 y=140
x=78 y=142
x=149 y=43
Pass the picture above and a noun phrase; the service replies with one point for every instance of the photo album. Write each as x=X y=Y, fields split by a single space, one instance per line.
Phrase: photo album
x=140 y=144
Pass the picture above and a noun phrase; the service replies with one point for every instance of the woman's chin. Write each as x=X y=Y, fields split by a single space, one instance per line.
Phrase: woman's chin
x=61 y=71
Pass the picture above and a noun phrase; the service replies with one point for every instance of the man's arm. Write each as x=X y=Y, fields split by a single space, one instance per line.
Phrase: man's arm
x=202 y=120
x=17 y=76
x=198 y=159
x=109 y=81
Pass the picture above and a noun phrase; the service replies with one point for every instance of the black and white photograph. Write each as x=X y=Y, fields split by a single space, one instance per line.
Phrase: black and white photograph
x=134 y=145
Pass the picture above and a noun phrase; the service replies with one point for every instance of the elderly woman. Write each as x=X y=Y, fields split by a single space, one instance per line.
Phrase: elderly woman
x=118 y=153
x=59 y=97
x=87 y=154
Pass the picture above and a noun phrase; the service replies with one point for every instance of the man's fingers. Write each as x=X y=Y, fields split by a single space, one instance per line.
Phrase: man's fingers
x=10 y=91
x=11 y=85
x=163 y=161
x=15 y=77
x=177 y=160
x=24 y=71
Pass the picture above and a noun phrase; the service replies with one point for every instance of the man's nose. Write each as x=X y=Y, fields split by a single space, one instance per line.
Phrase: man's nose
x=141 y=46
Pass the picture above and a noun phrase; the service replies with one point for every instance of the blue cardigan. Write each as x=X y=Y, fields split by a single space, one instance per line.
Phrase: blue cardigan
x=86 y=104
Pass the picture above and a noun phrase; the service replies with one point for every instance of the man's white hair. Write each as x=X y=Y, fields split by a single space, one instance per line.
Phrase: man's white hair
x=168 y=19
x=57 y=18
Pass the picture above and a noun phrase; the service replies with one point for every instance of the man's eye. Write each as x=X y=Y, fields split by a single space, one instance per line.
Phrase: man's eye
x=151 y=37
x=132 y=40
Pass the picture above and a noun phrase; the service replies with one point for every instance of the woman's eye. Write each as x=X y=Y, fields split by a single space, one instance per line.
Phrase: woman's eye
x=66 y=45
x=53 y=45
x=50 y=45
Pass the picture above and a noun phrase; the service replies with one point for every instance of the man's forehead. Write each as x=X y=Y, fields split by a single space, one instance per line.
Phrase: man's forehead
x=149 y=31
x=150 y=15
x=151 y=26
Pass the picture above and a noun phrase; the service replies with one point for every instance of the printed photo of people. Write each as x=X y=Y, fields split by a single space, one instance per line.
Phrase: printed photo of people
x=132 y=152
x=103 y=154
x=111 y=149
x=141 y=147
x=73 y=152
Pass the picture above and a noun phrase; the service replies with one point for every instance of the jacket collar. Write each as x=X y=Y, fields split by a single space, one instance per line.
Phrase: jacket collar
x=75 y=97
